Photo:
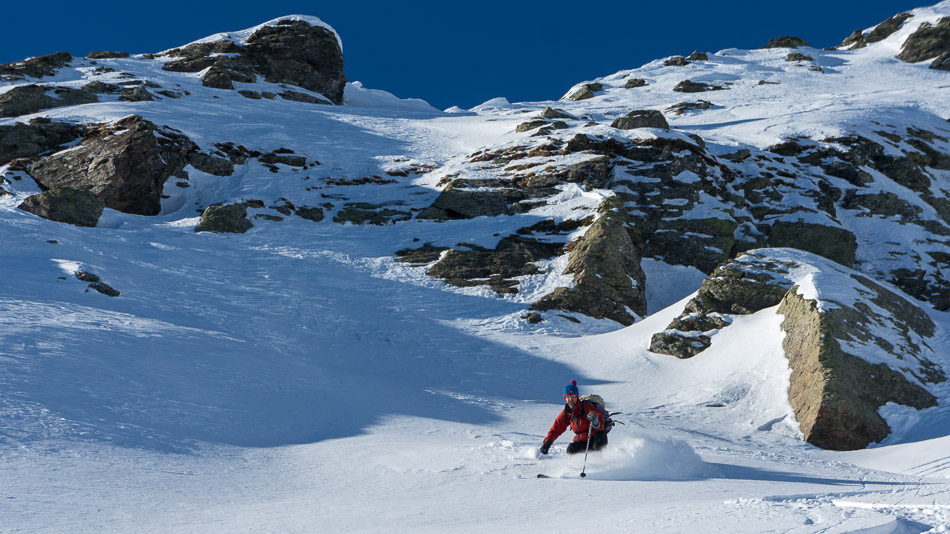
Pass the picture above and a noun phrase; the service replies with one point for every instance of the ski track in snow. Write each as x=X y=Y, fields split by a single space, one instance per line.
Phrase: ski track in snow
x=297 y=379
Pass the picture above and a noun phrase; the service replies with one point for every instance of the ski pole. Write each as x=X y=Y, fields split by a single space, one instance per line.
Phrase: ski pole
x=589 y=434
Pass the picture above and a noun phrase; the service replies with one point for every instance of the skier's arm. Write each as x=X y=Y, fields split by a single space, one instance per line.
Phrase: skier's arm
x=560 y=425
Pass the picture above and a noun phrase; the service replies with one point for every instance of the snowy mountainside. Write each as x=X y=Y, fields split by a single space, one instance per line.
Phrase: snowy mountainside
x=391 y=297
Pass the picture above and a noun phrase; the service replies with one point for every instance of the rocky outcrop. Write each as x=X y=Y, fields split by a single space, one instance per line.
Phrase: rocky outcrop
x=641 y=118
x=738 y=287
x=125 y=164
x=689 y=86
x=39 y=136
x=37 y=67
x=836 y=244
x=836 y=395
x=223 y=219
x=928 y=42
x=71 y=206
x=786 y=42
x=26 y=99
x=605 y=262
x=105 y=54
x=290 y=52
x=832 y=336
x=585 y=91
x=887 y=28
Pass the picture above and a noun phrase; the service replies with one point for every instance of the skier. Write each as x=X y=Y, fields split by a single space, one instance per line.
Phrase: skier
x=583 y=417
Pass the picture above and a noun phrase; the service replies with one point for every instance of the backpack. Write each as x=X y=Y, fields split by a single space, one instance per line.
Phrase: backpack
x=598 y=403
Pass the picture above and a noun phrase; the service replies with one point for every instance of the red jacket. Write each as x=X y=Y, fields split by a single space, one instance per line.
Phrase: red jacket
x=577 y=418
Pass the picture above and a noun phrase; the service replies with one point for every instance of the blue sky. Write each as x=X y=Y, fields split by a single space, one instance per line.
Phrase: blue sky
x=455 y=54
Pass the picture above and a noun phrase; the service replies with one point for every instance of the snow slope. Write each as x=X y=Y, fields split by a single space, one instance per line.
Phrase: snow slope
x=297 y=379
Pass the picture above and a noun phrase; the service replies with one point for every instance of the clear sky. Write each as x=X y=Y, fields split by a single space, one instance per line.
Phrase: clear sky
x=455 y=53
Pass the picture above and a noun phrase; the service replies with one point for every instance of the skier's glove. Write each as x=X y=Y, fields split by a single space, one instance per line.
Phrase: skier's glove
x=594 y=421
x=545 y=447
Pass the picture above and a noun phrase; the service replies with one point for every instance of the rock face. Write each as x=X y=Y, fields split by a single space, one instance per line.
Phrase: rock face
x=836 y=395
x=126 y=164
x=292 y=52
x=29 y=140
x=830 y=341
x=219 y=218
x=928 y=42
x=70 y=206
x=605 y=263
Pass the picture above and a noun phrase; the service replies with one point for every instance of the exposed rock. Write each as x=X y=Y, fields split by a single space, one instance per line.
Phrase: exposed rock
x=71 y=206
x=551 y=113
x=738 y=156
x=299 y=54
x=797 y=56
x=458 y=202
x=689 y=86
x=701 y=243
x=530 y=125
x=125 y=164
x=135 y=94
x=211 y=164
x=633 y=83
x=680 y=346
x=676 y=61
x=39 y=136
x=927 y=42
x=217 y=78
x=641 y=118
x=592 y=174
x=836 y=244
x=366 y=213
x=887 y=28
x=586 y=91
x=284 y=158
x=297 y=96
x=107 y=55
x=36 y=67
x=855 y=40
x=683 y=107
x=311 y=214
x=942 y=62
x=836 y=395
x=253 y=95
x=786 y=42
x=231 y=218
x=514 y=256
x=605 y=263
x=698 y=56
x=425 y=254
x=292 y=52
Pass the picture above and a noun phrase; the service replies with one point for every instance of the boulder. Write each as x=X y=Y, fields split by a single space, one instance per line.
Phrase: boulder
x=798 y=56
x=230 y=218
x=126 y=164
x=676 y=61
x=297 y=96
x=927 y=42
x=605 y=262
x=586 y=91
x=135 y=94
x=836 y=395
x=26 y=99
x=311 y=214
x=633 y=83
x=698 y=56
x=641 y=118
x=786 y=42
x=855 y=40
x=71 y=206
